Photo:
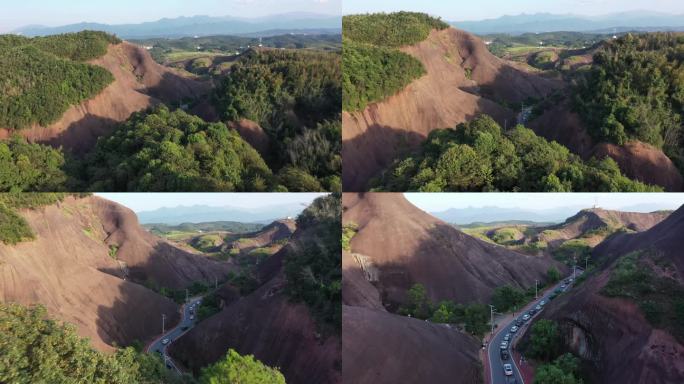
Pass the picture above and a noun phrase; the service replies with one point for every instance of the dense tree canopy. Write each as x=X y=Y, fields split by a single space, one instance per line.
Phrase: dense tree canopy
x=39 y=80
x=295 y=97
x=237 y=369
x=390 y=30
x=13 y=227
x=38 y=87
x=313 y=269
x=635 y=91
x=35 y=349
x=173 y=151
x=372 y=73
x=479 y=156
x=30 y=167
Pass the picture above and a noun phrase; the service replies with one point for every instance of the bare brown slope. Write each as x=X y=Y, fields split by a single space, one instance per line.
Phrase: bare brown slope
x=612 y=333
x=269 y=326
x=139 y=83
x=357 y=289
x=276 y=231
x=148 y=258
x=409 y=246
x=588 y=220
x=442 y=98
x=63 y=269
x=382 y=348
x=637 y=160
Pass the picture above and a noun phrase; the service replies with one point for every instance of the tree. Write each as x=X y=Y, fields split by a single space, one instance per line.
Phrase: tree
x=552 y=374
x=418 y=305
x=553 y=275
x=237 y=369
x=36 y=349
x=507 y=297
x=445 y=312
x=545 y=339
x=476 y=319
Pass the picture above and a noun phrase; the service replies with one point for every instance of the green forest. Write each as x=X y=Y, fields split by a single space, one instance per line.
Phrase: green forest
x=390 y=29
x=371 y=73
x=30 y=167
x=635 y=91
x=313 y=269
x=480 y=156
x=37 y=349
x=295 y=97
x=163 y=150
x=41 y=77
x=373 y=69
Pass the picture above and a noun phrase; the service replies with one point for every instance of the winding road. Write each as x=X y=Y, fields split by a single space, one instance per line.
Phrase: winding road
x=188 y=320
x=495 y=360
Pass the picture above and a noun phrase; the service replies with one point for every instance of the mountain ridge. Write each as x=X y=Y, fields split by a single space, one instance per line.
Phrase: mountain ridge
x=199 y=25
x=548 y=22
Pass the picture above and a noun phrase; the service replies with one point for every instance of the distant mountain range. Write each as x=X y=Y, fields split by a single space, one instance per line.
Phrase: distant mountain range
x=204 y=213
x=546 y=22
x=204 y=26
x=470 y=215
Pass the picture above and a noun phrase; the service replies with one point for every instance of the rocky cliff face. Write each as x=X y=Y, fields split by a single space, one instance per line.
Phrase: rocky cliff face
x=268 y=325
x=139 y=83
x=463 y=80
x=85 y=264
x=612 y=334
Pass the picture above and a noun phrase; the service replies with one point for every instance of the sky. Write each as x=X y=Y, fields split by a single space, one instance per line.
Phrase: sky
x=139 y=202
x=15 y=14
x=435 y=202
x=461 y=10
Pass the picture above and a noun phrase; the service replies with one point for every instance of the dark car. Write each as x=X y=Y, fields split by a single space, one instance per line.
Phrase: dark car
x=505 y=355
x=518 y=322
x=532 y=311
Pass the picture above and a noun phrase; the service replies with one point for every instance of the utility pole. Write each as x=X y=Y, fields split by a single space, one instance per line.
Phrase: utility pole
x=586 y=261
x=163 y=323
x=536 y=295
x=573 y=272
x=491 y=316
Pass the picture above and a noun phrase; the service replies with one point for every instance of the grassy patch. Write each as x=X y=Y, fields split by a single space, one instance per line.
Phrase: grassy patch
x=113 y=249
x=572 y=250
x=348 y=232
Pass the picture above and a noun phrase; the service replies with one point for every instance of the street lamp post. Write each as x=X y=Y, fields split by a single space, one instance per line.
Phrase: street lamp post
x=491 y=317
x=536 y=295
x=163 y=323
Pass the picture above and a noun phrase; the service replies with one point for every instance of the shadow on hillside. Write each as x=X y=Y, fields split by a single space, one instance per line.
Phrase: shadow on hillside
x=173 y=88
x=170 y=267
x=136 y=314
x=368 y=154
x=80 y=136
x=455 y=266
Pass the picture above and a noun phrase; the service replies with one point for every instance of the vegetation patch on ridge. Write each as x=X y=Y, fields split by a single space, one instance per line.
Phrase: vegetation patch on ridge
x=41 y=78
x=390 y=29
x=480 y=156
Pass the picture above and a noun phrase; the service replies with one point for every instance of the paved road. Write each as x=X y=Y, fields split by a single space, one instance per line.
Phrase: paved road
x=188 y=320
x=496 y=362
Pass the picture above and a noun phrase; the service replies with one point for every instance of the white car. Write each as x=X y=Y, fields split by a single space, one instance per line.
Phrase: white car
x=526 y=317
x=542 y=303
x=508 y=369
x=514 y=329
x=504 y=344
x=192 y=317
x=165 y=341
x=538 y=307
x=507 y=337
